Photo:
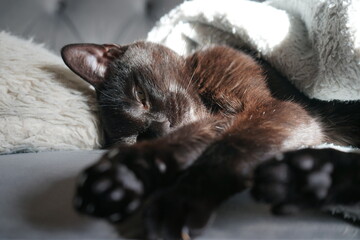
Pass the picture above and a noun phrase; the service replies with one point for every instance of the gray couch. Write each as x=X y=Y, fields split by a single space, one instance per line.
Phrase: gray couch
x=59 y=22
x=36 y=203
x=36 y=188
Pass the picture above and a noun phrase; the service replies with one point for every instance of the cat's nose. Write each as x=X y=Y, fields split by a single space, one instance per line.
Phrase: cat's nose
x=155 y=130
x=161 y=128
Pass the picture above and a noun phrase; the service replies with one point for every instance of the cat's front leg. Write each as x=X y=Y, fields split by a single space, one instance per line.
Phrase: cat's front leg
x=184 y=210
x=309 y=178
x=119 y=182
x=226 y=168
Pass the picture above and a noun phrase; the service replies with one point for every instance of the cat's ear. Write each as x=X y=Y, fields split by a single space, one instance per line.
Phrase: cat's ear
x=91 y=61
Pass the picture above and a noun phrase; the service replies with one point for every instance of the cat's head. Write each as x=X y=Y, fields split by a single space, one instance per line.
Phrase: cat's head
x=142 y=89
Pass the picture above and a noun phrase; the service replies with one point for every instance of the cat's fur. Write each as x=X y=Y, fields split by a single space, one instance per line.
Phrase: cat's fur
x=190 y=131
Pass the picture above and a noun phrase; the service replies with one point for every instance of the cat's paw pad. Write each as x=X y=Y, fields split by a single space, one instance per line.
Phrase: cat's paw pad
x=299 y=179
x=108 y=189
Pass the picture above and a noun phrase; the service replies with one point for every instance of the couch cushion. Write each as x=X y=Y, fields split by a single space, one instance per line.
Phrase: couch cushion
x=36 y=203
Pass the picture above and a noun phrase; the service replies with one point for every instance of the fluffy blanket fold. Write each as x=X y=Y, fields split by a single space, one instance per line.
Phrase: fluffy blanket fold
x=314 y=43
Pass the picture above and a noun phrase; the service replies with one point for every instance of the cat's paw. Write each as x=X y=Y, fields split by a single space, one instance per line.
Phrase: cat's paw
x=175 y=214
x=114 y=187
x=300 y=179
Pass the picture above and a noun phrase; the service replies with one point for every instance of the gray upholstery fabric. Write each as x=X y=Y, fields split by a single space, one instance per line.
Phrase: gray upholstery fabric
x=36 y=197
x=36 y=203
x=59 y=22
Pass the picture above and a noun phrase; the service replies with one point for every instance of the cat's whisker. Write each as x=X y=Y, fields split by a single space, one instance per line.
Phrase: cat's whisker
x=109 y=105
x=111 y=98
x=190 y=82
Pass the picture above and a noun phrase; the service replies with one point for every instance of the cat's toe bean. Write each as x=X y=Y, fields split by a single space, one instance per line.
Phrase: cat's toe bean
x=328 y=168
x=103 y=166
x=280 y=173
x=113 y=153
x=161 y=166
x=318 y=183
x=304 y=162
x=133 y=205
x=115 y=217
x=129 y=180
x=116 y=195
x=318 y=180
x=101 y=186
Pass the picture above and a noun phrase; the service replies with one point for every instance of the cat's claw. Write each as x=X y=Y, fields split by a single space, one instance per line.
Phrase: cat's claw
x=300 y=179
x=109 y=189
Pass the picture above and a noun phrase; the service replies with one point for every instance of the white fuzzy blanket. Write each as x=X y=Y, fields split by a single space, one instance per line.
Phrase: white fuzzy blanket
x=43 y=105
x=314 y=43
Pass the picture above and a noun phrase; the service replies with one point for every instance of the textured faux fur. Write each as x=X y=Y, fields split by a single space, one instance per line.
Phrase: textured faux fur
x=314 y=43
x=43 y=105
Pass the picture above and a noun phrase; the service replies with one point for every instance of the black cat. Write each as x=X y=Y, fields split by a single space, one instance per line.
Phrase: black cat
x=189 y=131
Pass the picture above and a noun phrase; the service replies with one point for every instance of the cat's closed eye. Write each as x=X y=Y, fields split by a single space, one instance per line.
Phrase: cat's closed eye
x=140 y=95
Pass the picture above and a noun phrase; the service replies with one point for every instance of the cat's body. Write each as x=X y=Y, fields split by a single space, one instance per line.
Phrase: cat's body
x=198 y=127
